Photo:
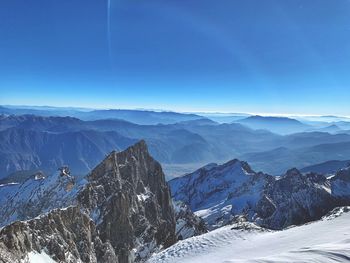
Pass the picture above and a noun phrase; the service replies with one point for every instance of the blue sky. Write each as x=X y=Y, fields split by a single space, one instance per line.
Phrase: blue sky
x=281 y=56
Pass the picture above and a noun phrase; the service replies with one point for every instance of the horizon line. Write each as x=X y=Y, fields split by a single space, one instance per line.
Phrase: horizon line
x=264 y=114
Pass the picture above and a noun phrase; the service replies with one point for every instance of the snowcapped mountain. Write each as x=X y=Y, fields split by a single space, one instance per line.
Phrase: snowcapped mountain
x=323 y=241
x=216 y=192
x=122 y=212
x=220 y=193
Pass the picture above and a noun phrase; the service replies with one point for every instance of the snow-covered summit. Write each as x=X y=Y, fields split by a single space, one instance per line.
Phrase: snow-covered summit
x=216 y=194
x=233 y=189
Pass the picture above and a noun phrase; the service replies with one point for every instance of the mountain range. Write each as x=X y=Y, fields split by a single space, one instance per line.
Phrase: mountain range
x=280 y=125
x=121 y=212
x=33 y=143
x=220 y=193
x=124 y=210
x=135 y=116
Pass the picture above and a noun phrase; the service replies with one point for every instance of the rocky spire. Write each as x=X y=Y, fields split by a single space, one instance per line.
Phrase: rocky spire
x=122 y=213
x=129 y=200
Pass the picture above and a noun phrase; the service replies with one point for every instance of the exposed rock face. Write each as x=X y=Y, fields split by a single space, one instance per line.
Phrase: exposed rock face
x=121 y=213
x=187 y=223
x=340 y=184
x=129 y=200
x=221 y=193
x=295 y=199
x=68 y=235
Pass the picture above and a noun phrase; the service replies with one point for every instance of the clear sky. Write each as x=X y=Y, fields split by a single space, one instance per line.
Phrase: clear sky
x=280 y=56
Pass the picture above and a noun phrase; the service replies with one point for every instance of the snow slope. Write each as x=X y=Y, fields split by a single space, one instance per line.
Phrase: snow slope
x=216 y=192
x=35 y=196
x=327 y=240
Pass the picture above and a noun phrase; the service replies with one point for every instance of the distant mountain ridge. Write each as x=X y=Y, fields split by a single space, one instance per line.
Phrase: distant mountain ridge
x=144 y=117
x=329 y=167
x=280 y=125
x=30 y=142
x=23 y=149
x=278 y=160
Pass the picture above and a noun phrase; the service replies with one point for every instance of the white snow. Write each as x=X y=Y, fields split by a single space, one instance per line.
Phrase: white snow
x=144 y=196
x=34 y=257
x=47 y=194
x=327 y=240
x=220 y=192
x=9 y=184
x=331 y=176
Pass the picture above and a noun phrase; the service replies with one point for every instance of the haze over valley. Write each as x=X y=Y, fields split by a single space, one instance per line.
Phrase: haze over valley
x=181 y=142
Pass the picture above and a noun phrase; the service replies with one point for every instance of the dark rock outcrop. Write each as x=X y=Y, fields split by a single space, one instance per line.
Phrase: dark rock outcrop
x=121 y=213
x=129 y=200
x=187 y=223
x=67 y=235
x=295 y=199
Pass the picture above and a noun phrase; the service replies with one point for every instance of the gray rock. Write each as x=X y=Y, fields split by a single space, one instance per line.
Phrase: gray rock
x=221 y=193
x=121 y=213
x=68 y=235
x=129 y=200
x=187 y=223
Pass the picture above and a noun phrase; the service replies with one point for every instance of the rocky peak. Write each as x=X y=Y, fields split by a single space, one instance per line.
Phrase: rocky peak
x=293 y=172
x=128 y=191
x=126 y=201
x=294 y=199
x=213 y=193
x=233 y=189
x=340 y=185
x=232 y=163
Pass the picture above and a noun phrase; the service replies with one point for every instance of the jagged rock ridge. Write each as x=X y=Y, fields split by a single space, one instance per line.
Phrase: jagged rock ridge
x=217 y=192
x=121 y=213
x=220 y=193
x=129 y=200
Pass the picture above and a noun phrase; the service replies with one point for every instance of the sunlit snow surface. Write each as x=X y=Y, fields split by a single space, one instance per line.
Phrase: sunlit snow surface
x=327 y=240
x=34 y=257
